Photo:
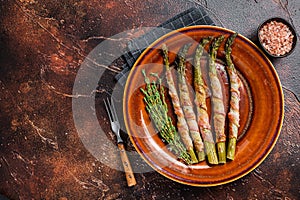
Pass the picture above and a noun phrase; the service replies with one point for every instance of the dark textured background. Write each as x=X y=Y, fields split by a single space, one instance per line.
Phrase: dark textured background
x=42 y=45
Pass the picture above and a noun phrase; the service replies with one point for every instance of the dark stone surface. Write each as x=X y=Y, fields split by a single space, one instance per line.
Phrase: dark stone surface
x=42 y=46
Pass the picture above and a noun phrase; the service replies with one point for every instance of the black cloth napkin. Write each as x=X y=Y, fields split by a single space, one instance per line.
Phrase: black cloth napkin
x=190 y=17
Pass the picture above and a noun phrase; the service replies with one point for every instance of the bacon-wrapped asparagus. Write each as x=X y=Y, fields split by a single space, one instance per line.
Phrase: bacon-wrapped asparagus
x=200 y=102
x=233 y=115
x=157 y=108
x=187 y=104
x=217 y=100
x=182 y=126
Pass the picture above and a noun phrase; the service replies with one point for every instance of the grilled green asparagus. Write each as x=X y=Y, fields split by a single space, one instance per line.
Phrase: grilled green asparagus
x=217 y=100
x=200 y=102
x=233 y=115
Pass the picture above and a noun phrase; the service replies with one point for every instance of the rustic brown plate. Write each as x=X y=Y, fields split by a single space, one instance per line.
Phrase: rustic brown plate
x=261 y=108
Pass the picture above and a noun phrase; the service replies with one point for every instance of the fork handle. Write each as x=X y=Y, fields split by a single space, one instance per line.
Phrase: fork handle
x=127 y=167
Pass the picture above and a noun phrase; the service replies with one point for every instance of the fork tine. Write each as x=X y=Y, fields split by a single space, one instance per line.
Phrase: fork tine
x=114 y=113
x=108 y=110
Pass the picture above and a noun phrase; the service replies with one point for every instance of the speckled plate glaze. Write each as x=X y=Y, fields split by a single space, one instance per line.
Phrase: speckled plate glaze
x=261 y=108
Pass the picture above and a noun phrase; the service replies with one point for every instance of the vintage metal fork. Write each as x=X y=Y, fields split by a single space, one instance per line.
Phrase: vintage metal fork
x=115 y=126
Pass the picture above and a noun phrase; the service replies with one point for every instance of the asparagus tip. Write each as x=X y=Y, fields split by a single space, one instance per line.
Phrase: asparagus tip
x=230 y=41
x=215 y=46
x=204 y=41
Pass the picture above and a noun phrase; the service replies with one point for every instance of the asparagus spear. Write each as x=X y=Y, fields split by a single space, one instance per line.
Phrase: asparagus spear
x=217 y=100
x=233 y=115
x=200 y=101
x=187 y=105
x=181 y=122
x=157 y=108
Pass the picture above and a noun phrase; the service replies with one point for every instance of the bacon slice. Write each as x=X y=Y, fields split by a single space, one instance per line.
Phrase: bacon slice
x=217 y=100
